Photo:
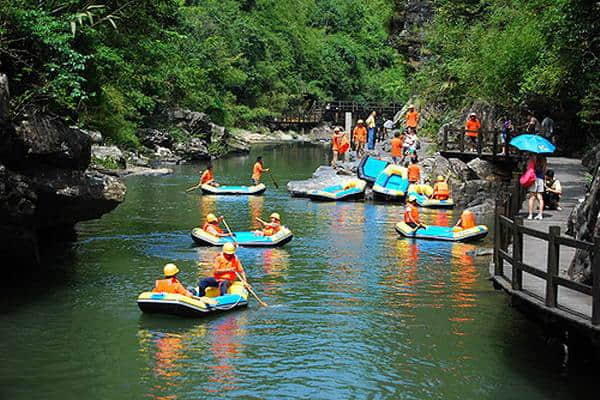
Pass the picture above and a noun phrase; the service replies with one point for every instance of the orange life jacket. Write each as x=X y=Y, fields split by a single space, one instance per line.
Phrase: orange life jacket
x=271 y=230
x=472 y=127
x=412 y=119
x=411 y=214
x=441 y=191
x=207 y=176
x=213 y=229
x=170 y=285
x=467 y=220
x=225 y=269
x=360 y=134
x=414 y=173
x=397 y=146
x=257 y=171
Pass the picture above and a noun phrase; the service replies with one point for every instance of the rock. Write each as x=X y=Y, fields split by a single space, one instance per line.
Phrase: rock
x=481 y=168
x=95 y=136
x=46 y=140
x=153 y=138
x=4 y=98
x=196 y=149
x=138 y=160
x=237 y=146
x=583 y=224
x=475 y=192
x=163 y=152
x=143 y=171
x=195 y=123
x=484 y=209
x=109 y=154
x=591 y=158
x=217 y=133
x=324 y=176
x=460 y=170
x=434 y=166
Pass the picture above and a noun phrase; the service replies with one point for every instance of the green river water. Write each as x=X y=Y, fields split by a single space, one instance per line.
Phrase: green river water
x=356 y=312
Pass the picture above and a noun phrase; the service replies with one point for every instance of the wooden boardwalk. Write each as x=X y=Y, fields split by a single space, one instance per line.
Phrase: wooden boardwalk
x=561 y=301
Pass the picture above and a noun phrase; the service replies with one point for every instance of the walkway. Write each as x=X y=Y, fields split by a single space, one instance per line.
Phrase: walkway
x=535 y=251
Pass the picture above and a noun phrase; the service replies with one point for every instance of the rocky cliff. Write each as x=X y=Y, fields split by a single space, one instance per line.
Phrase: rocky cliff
x=45 y=183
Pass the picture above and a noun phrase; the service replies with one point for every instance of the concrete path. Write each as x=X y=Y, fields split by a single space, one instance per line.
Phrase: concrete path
x=535 y=251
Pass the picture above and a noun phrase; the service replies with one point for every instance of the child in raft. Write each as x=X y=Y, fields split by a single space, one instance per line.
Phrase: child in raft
x=467 y=220
x=411 y=213
x=269 y=228
x=212 y=226
x=170 y=283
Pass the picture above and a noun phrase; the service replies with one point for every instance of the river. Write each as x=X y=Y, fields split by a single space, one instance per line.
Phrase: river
x=356 y=311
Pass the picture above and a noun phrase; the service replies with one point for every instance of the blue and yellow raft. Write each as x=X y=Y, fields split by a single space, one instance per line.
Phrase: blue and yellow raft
x=446 y=233
x=392 y=183
x=369 y=168
x=249 y=239
x=422 y=193
x=183 y=306
x=353 y=190
x=234 y=190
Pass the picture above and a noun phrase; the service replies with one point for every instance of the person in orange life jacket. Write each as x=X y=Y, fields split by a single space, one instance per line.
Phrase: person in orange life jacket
x=224 y=271
x=411 y=213
x=270 y=228
x=472 y=127
x=212 y=225
x=257 y=170
x=207 y=177
x=467 y=220
x=441 y=190
x=170 y=284
x=414 y=171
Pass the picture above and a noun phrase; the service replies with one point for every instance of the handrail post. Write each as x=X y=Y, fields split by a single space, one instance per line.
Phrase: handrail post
x=553 y=261
x=498 y=264
x=517 y=273
x=595 y=258
x=515 y=205
x=495 y=144
x=462 y=141
x=479 y=144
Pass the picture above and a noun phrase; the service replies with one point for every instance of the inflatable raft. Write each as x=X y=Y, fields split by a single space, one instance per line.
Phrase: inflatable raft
x=183 y=306
x=422 y=193
x=352 y=190
x=392 y=183
x=234 y=190
x=442 y=232
x=369 y=168
x=249 y=239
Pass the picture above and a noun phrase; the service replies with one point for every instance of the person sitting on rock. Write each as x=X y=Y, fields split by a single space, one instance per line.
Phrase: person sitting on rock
x=207 y=177
x=170 y=284
x=225 y=267
x=212 y=226
x=467 y=220
x=441 y=189
x=553 y=191
x=411 y=213
x=257 y=170
x=270 y=228
x=414 y=172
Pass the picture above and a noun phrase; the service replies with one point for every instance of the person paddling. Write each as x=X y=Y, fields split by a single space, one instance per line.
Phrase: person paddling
x=270 y=228
x=212 y=226
x=226 y=267
x=258 y=170
x=207 y=177
x=441 y=189
x=170 y=284
x=411 y=213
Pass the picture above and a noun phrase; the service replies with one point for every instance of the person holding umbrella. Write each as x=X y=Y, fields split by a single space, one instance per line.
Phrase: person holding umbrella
x=537 y=145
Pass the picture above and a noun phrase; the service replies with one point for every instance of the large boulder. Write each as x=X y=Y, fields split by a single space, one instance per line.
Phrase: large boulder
x=153 y=138
x=481 y=168
x=108 y=155
x=324 y=176
x=193 y=122
x=591 y=158
x=475 y=192
x=434 y=166
x=196 y=149
x=460 y=170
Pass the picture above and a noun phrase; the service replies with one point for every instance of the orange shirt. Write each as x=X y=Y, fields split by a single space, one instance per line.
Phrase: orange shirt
x=225 y=269
x=412 y=119
x=170 y=285
x=411 y=214
x=213 y=229
x=360 y=134
x=207 y=176
x=467 y=220
x=257 y=171
x=414 y=173
x=397 y=146
x=271 y=229
x=441 y=191
x=472 y=127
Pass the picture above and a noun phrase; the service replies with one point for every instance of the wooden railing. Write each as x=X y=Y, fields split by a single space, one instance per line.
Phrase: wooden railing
x=488 y=142
x=512 y=230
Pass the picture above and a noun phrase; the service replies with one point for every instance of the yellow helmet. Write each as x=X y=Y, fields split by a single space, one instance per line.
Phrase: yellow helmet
x=440 y=178
x=170 y=269
x=211 y=217
x=276 y=216
x=229 y=248
x=411 y=198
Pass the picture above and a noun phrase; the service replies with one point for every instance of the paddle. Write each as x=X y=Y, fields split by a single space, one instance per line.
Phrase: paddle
x=273 y=179
x=244 y=282
x=193 y=188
